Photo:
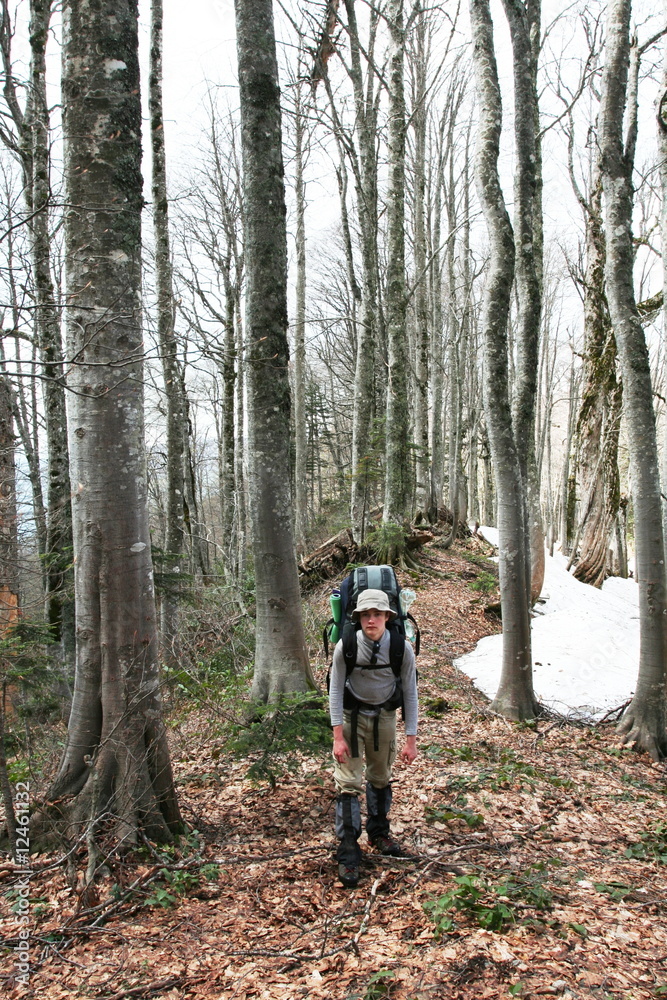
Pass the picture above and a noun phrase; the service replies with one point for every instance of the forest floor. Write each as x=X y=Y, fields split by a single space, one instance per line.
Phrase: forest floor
x=539 y=862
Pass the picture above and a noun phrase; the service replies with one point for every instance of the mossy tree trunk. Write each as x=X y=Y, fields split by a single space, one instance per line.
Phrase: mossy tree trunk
x=398 y=482
x=599 y=420
x=281 y=657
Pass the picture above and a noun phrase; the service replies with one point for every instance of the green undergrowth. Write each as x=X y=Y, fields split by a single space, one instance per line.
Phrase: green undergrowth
x=492 y=904
x=652 y=846
x=277 y=735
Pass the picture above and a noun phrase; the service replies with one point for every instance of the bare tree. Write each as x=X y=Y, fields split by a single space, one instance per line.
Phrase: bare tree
x=515 y=697
x=643 y=723
x=281 y=657
x=30 y=142
x=166 y=319
x=398 y=485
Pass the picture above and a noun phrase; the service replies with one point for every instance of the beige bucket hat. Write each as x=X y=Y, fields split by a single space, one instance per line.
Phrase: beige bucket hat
x=372 y=599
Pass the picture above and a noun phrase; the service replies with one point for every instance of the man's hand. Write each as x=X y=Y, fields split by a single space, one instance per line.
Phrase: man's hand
x=409 y=751
x=341 y=750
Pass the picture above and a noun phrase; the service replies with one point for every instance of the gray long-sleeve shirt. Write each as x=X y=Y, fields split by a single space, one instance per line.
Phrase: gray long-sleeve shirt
x=374 y=686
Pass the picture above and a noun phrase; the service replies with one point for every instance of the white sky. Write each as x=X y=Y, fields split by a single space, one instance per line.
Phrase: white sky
x=585 y=644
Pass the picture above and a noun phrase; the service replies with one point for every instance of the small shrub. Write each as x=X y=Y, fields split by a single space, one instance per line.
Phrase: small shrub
x=485 y=582
x=269 y=740
x=387 y=542
x=444 y=814
x=473 y=897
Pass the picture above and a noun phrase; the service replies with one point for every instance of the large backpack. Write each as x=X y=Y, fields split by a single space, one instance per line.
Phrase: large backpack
x=370 y=578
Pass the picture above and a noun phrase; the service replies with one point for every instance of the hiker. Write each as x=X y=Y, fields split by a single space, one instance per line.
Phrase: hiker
x=362 y=708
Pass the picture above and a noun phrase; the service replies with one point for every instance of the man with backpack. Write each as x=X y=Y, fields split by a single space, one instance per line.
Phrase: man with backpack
x=367 y=685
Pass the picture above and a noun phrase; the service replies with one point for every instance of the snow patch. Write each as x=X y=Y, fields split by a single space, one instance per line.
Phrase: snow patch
x=585 y=644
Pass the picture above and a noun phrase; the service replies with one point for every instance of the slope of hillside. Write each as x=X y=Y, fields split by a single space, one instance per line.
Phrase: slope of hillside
x=537 y=869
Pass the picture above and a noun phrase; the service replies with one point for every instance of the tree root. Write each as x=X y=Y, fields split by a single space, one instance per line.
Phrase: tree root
x=515 y=709
x=643 y=733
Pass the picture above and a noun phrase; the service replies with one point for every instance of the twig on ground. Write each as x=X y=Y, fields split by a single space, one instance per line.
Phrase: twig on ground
x=156 y=987
x=539 y=735
x=354 y=943
x=616 y=713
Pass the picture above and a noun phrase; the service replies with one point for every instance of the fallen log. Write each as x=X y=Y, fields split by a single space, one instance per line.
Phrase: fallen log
x=331 y=558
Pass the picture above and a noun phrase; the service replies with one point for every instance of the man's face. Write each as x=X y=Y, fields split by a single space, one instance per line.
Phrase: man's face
x=373 y=622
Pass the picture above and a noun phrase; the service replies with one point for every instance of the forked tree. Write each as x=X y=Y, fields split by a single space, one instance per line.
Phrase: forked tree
x=116 y=759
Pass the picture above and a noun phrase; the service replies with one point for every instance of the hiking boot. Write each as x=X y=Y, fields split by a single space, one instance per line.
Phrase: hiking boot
x=386 y=844
x=348 y=874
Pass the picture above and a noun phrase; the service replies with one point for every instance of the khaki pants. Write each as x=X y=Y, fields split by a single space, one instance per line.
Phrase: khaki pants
x=349 y=777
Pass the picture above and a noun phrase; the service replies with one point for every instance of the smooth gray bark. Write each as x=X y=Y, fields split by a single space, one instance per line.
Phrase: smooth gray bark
x=116 y=719
x=423 y=331
x=370 y=320
x=643 y=723
x=172 y=379
x=281 y=657
x=515 y=697
x=524 y=21
x=662 y=168
x=300 y=432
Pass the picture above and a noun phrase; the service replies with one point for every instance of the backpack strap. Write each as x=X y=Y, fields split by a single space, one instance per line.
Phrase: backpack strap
x=349 y=648
x=325 y=636
x=396 y=651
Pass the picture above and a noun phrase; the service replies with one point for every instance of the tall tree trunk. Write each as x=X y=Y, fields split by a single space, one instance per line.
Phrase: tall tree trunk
x=240 y=476
x=524 y=22
x=662 y=166
x=398 y=491
x=116 y=755
x=369 y=325
x=300 y=430
x=643 y=723
x=228 y=370
x=9 y=562
x=455 y=355
x=599 y=420
x=515 y=697
x=281 y=657
x=166 y=317
x=422 y=330
x=59 y=575
x=33 y=129
x=436 y=361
